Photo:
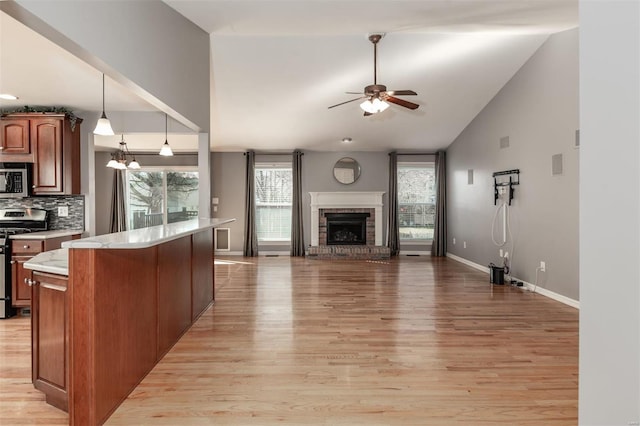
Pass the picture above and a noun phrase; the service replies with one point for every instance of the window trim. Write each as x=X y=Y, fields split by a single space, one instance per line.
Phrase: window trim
x=165 y=170
x=416 y=163
x=272 y=165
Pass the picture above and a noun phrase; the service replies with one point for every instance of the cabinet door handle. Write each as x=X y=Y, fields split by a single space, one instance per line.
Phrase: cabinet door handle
x=12 y=262
x=30 y=282
x=25 y=247
x=26 y=280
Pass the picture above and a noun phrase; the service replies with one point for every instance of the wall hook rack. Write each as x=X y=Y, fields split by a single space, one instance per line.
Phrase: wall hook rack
x=514 y=179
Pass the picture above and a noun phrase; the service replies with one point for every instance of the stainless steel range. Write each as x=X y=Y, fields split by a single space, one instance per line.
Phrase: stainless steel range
x=15 y=221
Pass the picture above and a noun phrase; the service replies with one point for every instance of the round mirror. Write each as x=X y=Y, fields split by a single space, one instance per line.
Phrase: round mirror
x=346 y=170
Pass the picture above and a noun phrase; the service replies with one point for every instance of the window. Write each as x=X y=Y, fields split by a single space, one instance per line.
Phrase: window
x=416 y=201
x=274 y=189
x=158 y=196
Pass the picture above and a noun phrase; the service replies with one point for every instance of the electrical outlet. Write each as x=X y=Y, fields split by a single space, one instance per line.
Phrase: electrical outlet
x=501 y=253
x=464 y=244
x=454 y=241
x=543 y=266
x=63 y=211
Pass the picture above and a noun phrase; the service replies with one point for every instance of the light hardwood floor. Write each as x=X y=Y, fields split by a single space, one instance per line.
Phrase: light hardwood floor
x=411 y=341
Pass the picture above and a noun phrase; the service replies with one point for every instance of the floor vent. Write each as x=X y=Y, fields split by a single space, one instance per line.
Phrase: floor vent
x=412 y=255
x=271 y=255
x=25 y=312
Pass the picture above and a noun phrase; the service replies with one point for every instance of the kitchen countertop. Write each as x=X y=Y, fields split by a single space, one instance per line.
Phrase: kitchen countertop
x=145 y=237
x=56 y=261
x=44 y=235
x=52 y=261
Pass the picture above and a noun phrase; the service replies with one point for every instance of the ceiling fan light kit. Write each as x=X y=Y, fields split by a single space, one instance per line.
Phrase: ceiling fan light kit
x=376 y=96
x=374 y=106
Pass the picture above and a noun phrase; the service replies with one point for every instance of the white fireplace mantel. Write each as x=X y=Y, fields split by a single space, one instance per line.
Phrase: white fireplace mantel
x=345 y=200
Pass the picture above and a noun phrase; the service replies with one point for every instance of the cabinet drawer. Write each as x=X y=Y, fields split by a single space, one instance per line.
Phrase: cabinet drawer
x=27 y=246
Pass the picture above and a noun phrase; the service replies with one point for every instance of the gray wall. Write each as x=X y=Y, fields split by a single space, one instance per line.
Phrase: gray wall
x=609 y=392
x=538 y=110
x=228 y=175
x=104 y=181
x=318 y=177
x=227 y=183
x=145 y=45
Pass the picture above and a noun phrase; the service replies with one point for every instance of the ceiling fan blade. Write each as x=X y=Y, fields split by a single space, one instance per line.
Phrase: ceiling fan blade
x=366 y=114
x=401 y=92
x=354 y=93
x=346 y=102
x=402 y=102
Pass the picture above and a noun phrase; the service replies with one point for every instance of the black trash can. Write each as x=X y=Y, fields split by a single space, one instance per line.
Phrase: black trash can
x=496 y=274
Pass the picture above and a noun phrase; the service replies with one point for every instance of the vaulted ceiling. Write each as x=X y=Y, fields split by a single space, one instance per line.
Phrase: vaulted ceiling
x=278 y=65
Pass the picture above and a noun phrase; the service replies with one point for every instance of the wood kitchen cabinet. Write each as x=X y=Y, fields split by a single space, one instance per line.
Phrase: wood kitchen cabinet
x=50 y=337
x=22 y=250
x=15 y=145
x=51 y=143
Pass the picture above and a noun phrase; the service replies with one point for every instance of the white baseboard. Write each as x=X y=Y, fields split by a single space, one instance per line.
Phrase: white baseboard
x=531 y=287
x=228 y=253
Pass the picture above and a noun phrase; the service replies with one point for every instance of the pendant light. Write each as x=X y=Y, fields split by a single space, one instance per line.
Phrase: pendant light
x=166 y=149
x=104 y=125
x=119 y=158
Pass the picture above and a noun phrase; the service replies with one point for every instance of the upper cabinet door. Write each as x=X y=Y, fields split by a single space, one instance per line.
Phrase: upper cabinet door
x=46 y=141
x=15 y=137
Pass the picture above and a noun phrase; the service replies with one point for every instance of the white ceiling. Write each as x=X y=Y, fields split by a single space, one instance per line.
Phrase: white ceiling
x=278 y=65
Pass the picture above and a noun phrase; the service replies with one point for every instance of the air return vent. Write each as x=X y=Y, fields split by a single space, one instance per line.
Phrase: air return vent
x=222 y=239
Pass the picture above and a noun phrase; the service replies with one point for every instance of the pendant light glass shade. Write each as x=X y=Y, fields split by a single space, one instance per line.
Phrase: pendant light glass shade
x=373 y=106
x=104 y=125
x=134 y=164
x=166 y=149
x=112 y=163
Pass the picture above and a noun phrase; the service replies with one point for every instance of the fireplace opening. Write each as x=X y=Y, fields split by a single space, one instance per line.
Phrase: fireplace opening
x=346 y=228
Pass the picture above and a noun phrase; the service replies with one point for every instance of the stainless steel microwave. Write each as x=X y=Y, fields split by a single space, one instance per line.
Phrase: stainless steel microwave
x=15 y=180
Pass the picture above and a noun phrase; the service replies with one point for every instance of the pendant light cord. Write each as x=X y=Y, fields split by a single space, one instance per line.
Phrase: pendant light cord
x=103 y=92
x=165 y=127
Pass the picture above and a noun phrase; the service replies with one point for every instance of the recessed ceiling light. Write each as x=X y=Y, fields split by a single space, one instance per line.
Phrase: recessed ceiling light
x=347 y=140
x=8 y=97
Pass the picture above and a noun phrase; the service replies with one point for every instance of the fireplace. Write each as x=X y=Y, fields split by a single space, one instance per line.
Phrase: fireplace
x=347 y=225
x=346 y=228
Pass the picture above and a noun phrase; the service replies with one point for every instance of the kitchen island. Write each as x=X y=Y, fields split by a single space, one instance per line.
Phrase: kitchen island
x=124 y=301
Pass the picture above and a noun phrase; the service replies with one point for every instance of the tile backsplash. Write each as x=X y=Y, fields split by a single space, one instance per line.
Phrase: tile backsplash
x=75 y=203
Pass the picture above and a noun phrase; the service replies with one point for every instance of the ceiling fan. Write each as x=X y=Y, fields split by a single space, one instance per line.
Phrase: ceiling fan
x=377 y=96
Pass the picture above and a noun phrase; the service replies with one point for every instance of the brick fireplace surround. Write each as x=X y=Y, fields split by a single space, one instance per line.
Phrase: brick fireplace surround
x=347 y=202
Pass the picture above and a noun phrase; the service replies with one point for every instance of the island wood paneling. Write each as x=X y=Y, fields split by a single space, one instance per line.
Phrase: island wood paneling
x=202 y=280
x=113 y=328
x=174 y=292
